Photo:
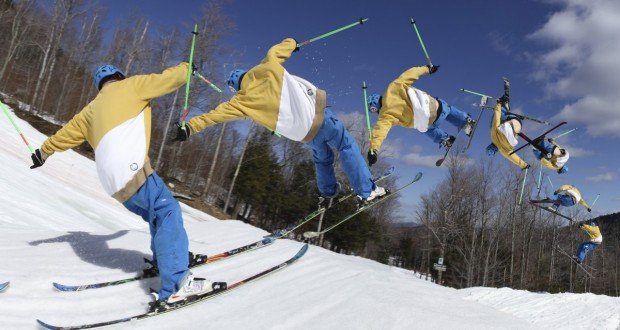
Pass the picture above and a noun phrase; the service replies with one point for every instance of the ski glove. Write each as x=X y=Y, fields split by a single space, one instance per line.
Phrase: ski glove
x=491 y=150
x=527 y=166
x=563 y=170
x=296 y=46
x=38 y=158
x=183 y=133
x=432 y=68
x=194 y=69
x=372 y=157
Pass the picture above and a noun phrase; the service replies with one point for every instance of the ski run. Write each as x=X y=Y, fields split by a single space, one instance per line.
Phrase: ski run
x=58 y=225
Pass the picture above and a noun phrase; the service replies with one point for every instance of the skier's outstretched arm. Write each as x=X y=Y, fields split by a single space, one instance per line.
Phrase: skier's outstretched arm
x=281 y=52
x=69 y=136
x=150 y=86
x=381 y=129
x=225 y=112
x=410 y=76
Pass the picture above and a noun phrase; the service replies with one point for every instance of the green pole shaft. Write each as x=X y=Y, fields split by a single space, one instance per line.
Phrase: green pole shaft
x=19 y=131
x=523 y=187
x=596 y=199
x=415 y=27
x=189 y=76
x=359 y=22
x=475 y=93
x=367 y=115
x=212 y=85
x=565 y=133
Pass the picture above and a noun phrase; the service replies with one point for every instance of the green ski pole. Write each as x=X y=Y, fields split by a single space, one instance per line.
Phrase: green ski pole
x=565 y=133
x=367 y=117
x=359 y=22
x=475 y=93
x=415 y=27
x=212 y=85
x=189 y=76
x=19 y=131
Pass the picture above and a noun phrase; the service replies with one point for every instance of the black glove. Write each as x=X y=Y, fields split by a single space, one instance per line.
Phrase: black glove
x=505 y=99
x=589 y=209
x=183 y=133
x=37 y=159
x=296 y=46
x=526 y=166
x=194 y=69
x=432 y=68
x=372 y=157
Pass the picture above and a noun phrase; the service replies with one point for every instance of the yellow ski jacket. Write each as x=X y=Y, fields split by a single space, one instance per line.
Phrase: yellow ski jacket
x=500 y=140
x=573 y=191
x=397 y=106
x=593 y=232
x=117 y=124
x=277 y=100
x=553 y=162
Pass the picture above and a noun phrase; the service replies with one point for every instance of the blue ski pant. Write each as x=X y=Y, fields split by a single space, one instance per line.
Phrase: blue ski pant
x=169 y=243
x=452 y=114
x=332 y=134
x=564 y=199
x=547 y=146
x=584 y=248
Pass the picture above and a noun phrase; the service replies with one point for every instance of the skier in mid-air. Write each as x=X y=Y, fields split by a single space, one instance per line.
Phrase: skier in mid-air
x=505 y=128
x=407 y=106
x=566 y=195
x=554 y=157
x=296 y=109
x=596 y=238
x=117 y=124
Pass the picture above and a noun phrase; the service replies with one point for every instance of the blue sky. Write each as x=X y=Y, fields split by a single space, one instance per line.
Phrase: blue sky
x=560 y=56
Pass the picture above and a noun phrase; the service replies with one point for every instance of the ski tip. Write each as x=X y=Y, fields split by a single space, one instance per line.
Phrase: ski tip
x=439 y=162
x=4 y=286
x=64 y=288
x=417 y=177
x=389 y=171
x=47 y=326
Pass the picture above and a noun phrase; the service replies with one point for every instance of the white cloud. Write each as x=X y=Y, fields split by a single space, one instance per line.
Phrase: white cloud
x=603 y=177
x=577 y=151
x=414 y=158
x=582 y=63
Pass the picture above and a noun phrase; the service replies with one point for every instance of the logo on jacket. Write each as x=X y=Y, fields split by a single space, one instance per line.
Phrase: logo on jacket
x=133 y=166
x=310 y=92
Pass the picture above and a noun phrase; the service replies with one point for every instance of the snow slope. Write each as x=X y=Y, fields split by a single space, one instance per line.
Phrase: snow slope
x=57 y=224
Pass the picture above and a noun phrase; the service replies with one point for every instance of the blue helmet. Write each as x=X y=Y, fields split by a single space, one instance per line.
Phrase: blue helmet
x=105 y=71
x=374 y=102
x=234 y=81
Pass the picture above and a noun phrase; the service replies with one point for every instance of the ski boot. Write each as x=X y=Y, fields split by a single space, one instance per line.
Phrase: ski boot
x=151 y=270
x=447 y=143
x=576 y=259
x=376 y=193
x=326 y=201
x=468 y=128
x=197 y=259
x=191 y=288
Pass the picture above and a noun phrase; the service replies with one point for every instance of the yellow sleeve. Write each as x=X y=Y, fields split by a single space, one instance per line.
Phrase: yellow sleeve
x=69 y=136
x=225 y=112
x=548 y=164
x=381 y=129
x=150 y=86
x=497 y=115
x=583 y=203
x=517 y=160
x=410 y=76
x=281 y=52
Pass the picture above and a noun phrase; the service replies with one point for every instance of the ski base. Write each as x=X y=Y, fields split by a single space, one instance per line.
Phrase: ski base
x=187 y=302
x=551 y=210
x=574 y=261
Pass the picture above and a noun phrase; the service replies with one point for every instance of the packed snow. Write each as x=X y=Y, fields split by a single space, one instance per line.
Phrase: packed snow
x=59 y=225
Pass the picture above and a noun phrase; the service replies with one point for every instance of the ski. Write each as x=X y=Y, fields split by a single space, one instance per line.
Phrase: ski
x=187 y=302
x=313 y=234
x=574 y=261
x=550 y=209
x=533 y=141
x=483 y=102
x=445 y=155
x=201 y=259
x=4 y=286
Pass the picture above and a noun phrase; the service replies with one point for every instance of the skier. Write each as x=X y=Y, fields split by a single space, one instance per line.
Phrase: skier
x=555 y=157
x=566 y=195
x=407 y=106
x=296 y=109
x=117 y=124
x=596 y=238
x=504 y=130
